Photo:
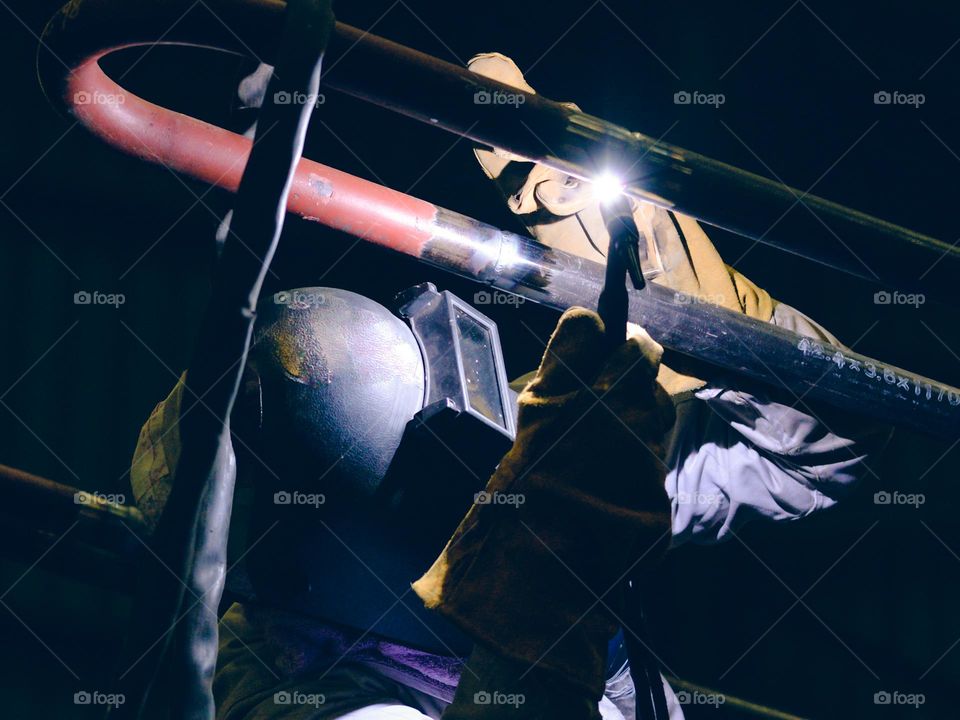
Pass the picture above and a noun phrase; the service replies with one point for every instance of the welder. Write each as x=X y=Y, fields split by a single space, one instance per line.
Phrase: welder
x=616 y=457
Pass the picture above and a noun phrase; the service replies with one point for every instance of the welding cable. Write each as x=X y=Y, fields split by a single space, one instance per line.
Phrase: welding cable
x=180 y=593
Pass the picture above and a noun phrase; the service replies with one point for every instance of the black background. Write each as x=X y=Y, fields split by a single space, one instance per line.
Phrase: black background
x=877 y=585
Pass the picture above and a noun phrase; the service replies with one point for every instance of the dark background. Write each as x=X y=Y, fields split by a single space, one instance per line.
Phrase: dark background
x=877 y=586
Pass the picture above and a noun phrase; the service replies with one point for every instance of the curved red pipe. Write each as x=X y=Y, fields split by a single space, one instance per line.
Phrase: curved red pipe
x=216 y=156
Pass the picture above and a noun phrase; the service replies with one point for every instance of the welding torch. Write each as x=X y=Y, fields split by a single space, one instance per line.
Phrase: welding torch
x=613 y=305
x=623 y=259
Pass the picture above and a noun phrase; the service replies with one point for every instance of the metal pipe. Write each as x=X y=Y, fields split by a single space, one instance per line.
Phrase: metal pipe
x=451 y=97
x=445 y=95
x=451 y=241
x=711 y=696
x=99 y=540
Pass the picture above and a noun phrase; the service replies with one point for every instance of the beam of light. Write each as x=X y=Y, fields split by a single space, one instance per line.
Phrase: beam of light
x=607 y=187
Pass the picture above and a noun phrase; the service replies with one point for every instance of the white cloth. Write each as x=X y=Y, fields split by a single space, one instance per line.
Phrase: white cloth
x=736 y=455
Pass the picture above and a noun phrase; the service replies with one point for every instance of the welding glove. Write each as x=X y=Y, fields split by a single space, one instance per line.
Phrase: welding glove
x=533 y=572
x=563 y=212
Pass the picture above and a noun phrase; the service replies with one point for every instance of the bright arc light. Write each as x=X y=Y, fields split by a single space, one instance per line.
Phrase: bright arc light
x=607 y=187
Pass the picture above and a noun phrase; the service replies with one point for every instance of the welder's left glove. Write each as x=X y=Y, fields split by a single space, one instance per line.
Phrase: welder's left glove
x=563 y=212
x=577 y=502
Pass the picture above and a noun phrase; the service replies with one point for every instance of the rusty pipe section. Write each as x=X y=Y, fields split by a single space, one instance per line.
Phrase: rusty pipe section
x=85 y=31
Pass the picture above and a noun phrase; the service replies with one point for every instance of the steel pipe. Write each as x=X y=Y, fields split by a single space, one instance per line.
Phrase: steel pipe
x=450 y=97
x=85 y=31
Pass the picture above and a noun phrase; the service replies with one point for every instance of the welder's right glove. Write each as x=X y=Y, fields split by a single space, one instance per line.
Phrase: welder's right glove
x=577 y=502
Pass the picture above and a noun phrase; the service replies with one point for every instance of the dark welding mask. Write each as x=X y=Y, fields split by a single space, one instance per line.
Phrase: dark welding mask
x=376 y=430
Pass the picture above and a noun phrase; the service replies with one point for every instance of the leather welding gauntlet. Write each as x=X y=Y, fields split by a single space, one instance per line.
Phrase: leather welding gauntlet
x=534 y=569
x=563 y=212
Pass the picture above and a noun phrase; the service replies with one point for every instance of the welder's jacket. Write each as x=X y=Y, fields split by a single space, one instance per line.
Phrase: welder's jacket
x=734 y=454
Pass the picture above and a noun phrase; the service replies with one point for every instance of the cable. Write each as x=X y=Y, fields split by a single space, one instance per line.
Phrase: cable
x=180 y=594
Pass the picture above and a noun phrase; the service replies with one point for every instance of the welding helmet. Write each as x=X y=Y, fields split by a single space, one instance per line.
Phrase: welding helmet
x=377 y=429
x=343 y=382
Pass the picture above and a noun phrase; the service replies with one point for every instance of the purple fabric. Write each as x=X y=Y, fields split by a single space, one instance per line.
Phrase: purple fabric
x=308 y=646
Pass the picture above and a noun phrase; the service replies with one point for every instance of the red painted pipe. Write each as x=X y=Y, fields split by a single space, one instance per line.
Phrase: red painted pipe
x=216 y=156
